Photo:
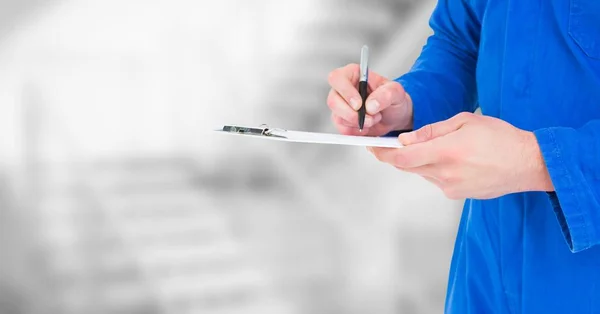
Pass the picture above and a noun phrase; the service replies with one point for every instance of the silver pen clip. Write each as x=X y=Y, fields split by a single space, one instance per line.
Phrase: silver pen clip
x=364 y=64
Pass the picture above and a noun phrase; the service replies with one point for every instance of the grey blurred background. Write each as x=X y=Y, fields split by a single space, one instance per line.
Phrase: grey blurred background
x=115 y=197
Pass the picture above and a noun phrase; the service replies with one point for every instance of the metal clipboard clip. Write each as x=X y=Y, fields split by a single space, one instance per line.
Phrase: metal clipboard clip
x=262 y=130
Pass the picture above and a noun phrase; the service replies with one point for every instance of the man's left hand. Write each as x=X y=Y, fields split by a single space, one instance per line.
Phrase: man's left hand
x=472 y=156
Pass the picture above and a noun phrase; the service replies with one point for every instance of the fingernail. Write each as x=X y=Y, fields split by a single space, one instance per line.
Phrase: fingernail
x=405 y=138
x=372 y=106
x=355 y=103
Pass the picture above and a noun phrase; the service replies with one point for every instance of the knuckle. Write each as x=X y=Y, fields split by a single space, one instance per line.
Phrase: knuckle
x=331 y=101
x=382 y=96
x=426 y=132
x=351 y=71
x=334 y=119
x=451 y=155
x=465 y=115
x=352 y=66
x=342 y=129
x=339 y=120
x=400 y=160
x=387 y=95
x=396 y=88
x=377 y=155
x=446 y=176
x=332 y=77
x=452 y=193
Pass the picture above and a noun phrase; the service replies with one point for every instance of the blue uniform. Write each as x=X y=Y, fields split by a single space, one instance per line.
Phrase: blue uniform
x=536 y=65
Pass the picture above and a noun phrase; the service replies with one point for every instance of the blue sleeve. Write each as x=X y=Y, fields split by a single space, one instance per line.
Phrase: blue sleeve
x=441 y=83
x=571 y=156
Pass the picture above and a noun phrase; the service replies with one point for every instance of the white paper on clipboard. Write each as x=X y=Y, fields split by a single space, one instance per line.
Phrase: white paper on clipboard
x=276 y=134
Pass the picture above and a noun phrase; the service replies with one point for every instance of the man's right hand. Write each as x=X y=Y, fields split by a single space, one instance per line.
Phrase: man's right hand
x=389 y=107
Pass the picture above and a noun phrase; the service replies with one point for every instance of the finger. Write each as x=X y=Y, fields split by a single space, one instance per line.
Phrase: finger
x=443 y=174
x=387 y=94
x=385 y=155
x=435 y=130
x=344 y=81
x=343 y=126
x=409 y=157
x=425 y=171
x=426 y=177
x=340 y=108
x=433 y=180
x=375 y=81
x=370 y=121
x=347 y=130
x=419 y=155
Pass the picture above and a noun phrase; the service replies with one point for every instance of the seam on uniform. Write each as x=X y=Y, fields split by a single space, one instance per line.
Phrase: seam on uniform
x=578 y=219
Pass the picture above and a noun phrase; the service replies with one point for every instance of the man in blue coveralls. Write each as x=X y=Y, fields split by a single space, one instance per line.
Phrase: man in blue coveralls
x=529 y=236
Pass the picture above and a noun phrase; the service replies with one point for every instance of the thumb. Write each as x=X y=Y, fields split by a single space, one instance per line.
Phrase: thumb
x=387 y=94
x=434 y=130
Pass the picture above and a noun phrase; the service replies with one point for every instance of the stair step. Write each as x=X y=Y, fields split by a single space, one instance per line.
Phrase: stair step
x=66 y=239
x=183 y=268
x=244 y=309
x=134 y=182
x=158 y=256
x=109 y=296
x=210 y=285
x=142 y=206
x=234 y=302
x=176 y=200
x=141 y=228
x=176 y=238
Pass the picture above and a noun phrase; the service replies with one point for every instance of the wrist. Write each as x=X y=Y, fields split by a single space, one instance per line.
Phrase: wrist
x=536 y=176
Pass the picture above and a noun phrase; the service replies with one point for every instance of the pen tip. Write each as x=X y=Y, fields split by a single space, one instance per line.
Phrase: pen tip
x=360 y=130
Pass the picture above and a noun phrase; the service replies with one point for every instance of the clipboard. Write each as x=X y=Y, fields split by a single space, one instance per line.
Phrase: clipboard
x=265 y=132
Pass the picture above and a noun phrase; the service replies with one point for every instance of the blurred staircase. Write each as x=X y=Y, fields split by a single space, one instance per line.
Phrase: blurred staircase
x=156 y=235
x=140 y=237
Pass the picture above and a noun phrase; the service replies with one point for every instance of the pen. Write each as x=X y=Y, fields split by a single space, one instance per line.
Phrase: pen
x=362 y=85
